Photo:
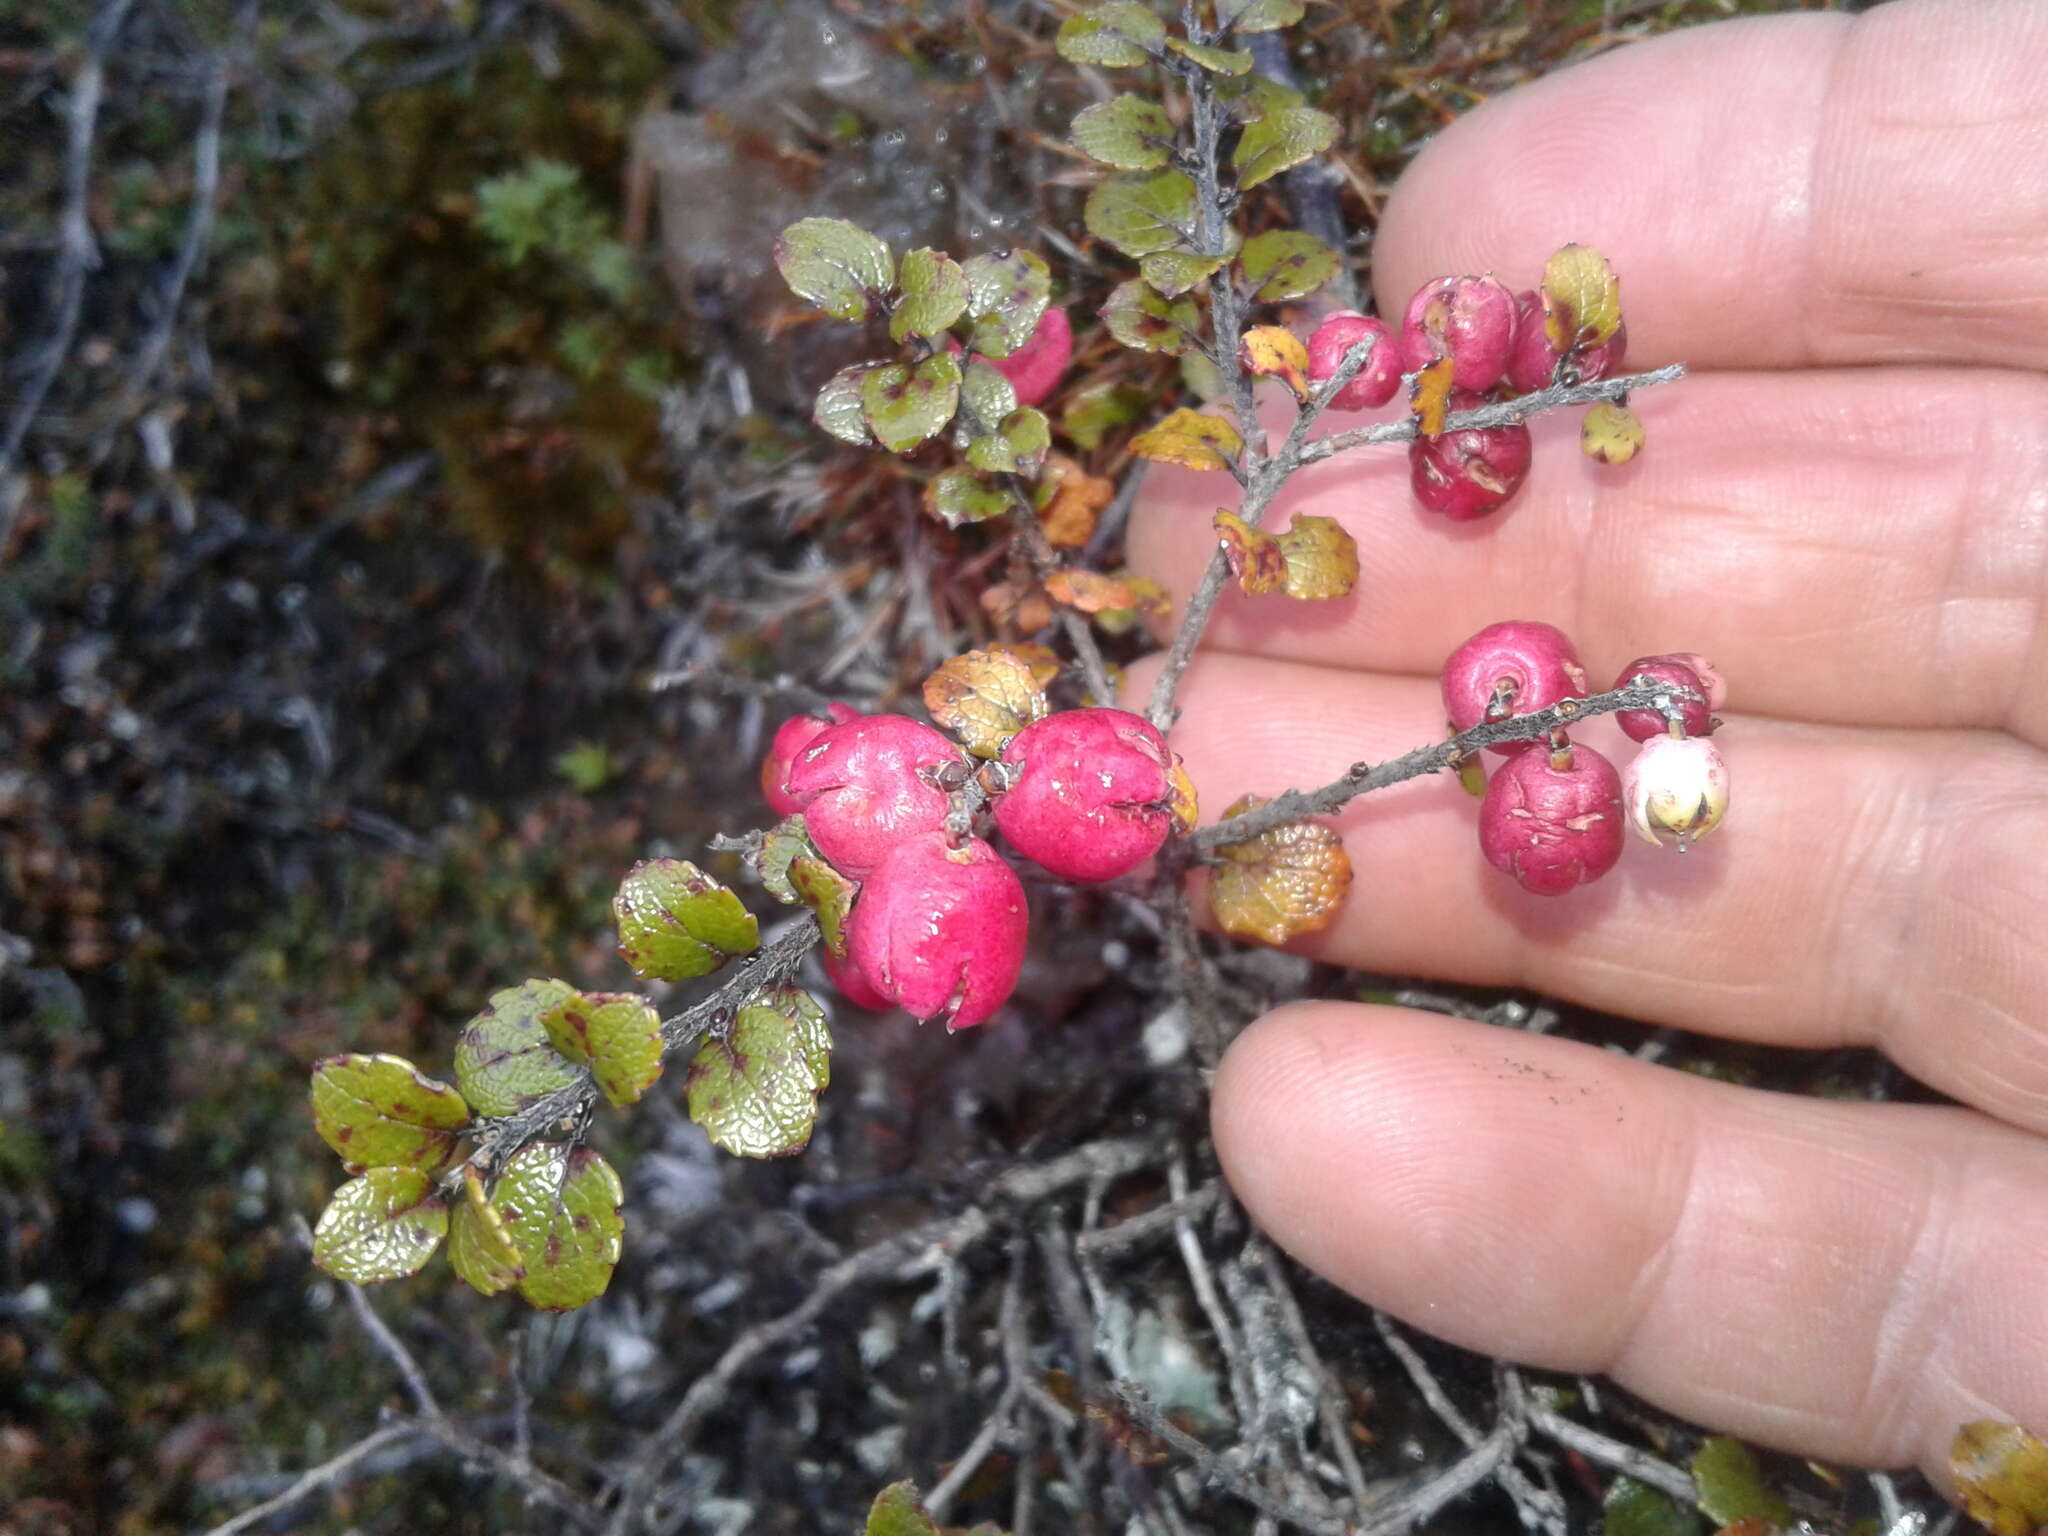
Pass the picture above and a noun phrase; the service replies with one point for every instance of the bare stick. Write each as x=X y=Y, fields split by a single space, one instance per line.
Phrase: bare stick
x=1149 y=1226
x=1329 y=1403
x=335 y=1472
x=1594 y=1446
x=401 y=1358
x=1219 y=1471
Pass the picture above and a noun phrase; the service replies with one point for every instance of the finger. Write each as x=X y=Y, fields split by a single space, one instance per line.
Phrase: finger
x=1781 y=192
x=1852 y=1282
x=1864 y=547
x=1869 y=888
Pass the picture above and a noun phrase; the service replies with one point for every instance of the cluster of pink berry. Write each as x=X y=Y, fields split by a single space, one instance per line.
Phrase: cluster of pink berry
x=1498 y=346
x=938 y=925
x=1553 y=815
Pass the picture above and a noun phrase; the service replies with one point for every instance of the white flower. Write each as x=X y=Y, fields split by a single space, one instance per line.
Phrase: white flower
x=1677 y=785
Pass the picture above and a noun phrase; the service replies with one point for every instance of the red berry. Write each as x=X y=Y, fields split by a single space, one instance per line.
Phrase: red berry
x=1468 y=473
x=791 y=737
x=1513 y=668
x=1532 y=361
x=1034 y=369
x=1087 y=803
x=853 y=985
x=1553 y=820
x=862 y=788
x=1470 y=320
x=1642 y=724
x=1375 y=383
x=938 y=929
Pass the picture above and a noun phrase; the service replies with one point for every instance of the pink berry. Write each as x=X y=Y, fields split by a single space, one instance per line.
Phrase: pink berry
x=791 y=737
x=853 y=985
x=1470 y=472
x=1553 y=820
x=1642 y=724
x=938 y=929
x=1676 y=785
x=1034 y=369
x=1087 y=803
x=862 y=788
x=1375 y=383
x=1470 y=320
x=1512 y=668
x=1532 y=362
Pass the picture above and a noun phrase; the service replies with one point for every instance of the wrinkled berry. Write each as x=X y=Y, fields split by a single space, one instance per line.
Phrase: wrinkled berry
x=853 y=985
x=1375 y=383
x=938 y=929
x=1676 y=785
x=1470 y=472
x=1034 y=369
x=1088 y=799
x=1470 y=320
x=1512 y=668
x=791 y=737
x=1678 y=671
x=862 y=789
x=1532 y=362
x=1553 y=820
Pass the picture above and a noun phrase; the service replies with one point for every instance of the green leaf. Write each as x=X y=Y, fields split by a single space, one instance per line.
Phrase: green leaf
x=1253 y=96
x=1257 y=15
x=781 y=845
x=1637 y=1509
x=986 y=394
x=1731 y=1487
x=616 y=1034
x=379 y=1112
x=1006 y=296
x=838 y=266
x=676 y=922
x=1099 y=409
x=503 y=1059
x=479 y=1243
x=1139 y=317
x=1117 y=35
x=1581 y=298
x=1018 y=447
x=961 y=496
x=905 y=405
x=561 y=1208
x=934 y=294
x=829 y=894
x=838 y=409
x=897 y=1512
x=1218 y=61
x=1173 y=273
x=1280 y=140
x=382 y=1226
x=1286 y=264
x=1129 y=133
x=1139 y=214
x=755 y=1089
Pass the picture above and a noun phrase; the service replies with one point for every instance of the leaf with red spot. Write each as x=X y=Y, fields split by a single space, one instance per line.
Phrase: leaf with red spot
x=561 y=1207
x=754 y=1088
x=379 y=1112
x=615 y=1034
x=382 y=1226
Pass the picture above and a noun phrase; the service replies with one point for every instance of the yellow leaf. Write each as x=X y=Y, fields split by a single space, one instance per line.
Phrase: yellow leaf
x=1041 y=659
x=1190 y=439
x=2001 y=1472
x=1322 y=559
x=1430 y=395
x=1180 y=797
x=1581 y=299
x=1611 y=433
x=1281 y=884
x=1254 y=558
x=984 y=698
x=1273 y=351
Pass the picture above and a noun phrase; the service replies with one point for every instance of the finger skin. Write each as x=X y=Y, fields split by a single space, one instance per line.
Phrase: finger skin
x=1851 y=1282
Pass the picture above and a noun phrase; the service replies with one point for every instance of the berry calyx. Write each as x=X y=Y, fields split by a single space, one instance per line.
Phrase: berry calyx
x=1532 y=361
x=1034 y=369
x=1470 y=320
x=1375 y=383
x=791 y=737
x=1553 y=819
x=940 y=930
x=1089 y=800
x=1512 y=668
x=864 y=786
x=1677 y=671
x=1676 y=786
x=1467 y=473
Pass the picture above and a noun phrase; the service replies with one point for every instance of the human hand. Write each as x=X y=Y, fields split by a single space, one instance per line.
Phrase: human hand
x=1842 y=226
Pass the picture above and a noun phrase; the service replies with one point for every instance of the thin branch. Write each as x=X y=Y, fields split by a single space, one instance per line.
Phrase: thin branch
x=394 y=1350
x=1216 y=1469
x=1149 y=1226
x=1074 y=625
x=1329 y=1400
x=1594 y=1446
x=335 y=1472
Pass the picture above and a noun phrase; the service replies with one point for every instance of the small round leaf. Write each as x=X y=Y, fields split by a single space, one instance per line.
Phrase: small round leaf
x=1017 y=447
x=382 y=1226
x=984 y=698
x=1119 y=35
x=1286 y=264
x=933 y=294
x=1173 y=273
x=676 y=922
x=379 y=1112
x=1280 y=140
x=1229 y=62
x=1007 y=294
x=1140 y=318
x=1581 y=299
x=1731 y=1487
x=838 y=409
x=1129 y=133
x=561 y=1207
x=1257 y=15
x=480 y=1246
x=755 y=1089
x=1190 y=439
x=503 y=1059
x=617 y=1035
x=1141 y=213
x=1281 y=884
x=1611 y=433
x=905 y=406
x=959 y=496
x=838 y=266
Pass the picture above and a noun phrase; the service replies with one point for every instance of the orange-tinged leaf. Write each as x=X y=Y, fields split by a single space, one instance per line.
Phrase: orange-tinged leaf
x=1180 y=797
x=1273 y=351
x=1611 y=433
x=1254 y=557
x=1314 y=558
x=1281 y=884
x=1099 y=594
x=1581 y=298
x=1070 y=502
x=1430 y=395
x=984 y=698
x=1043 y=661
x=1009 y=602
x=1190 y=439
x=2001 y=1472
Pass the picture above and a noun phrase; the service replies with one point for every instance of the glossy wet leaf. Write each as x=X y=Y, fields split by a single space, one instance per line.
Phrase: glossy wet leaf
x=1007 y=293
x=2001 y=1472
x=1611 y=433
x=1281 y=884
x=1142 y=318
x=1429 y=396
x=1142 y=212
x=1119 y=35
x=1191 y=440
x=1070 y=502
x=905 y=406
x=838 y=409
x=1286 y=264
x=504 y=1060
x=1731 y=1486
x=1581 y=298
x=897 y=1512
x=985 y=395
x=1636 y=1509
x=1279 y=141
x=1257 y=15
x=1128 y=132
x=1017 y=447
x=984 y=698
x=932 y=294
x=380 y=1112
x=1043 y=661
x=1173 y=273
x=382 y=1226
x=838 y=266
x=561 y=1206
x=959 y=496
x=1315 y=558
x=755 y=1089
x=480 y=1248
x=1097 y=410
x=829 y=894
x=1273 y=351
x=676 y=922
x=617 y=1035
x=1218 y=61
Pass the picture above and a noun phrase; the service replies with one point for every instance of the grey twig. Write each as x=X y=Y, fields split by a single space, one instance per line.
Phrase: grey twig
x=1329 y=1401
x=335 y=1472
x=1217 y=1470
x=394 y=1350
x=1594 y=1446
x=1149 y=1226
